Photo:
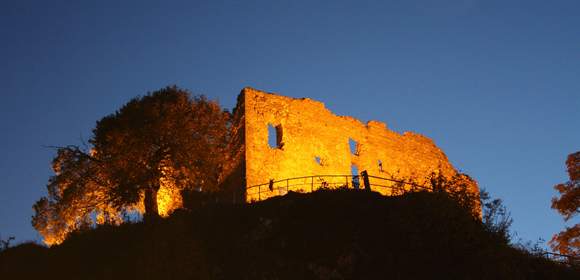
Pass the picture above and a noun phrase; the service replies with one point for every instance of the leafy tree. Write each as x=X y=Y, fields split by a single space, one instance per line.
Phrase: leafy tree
x=165 y=138
x=76 y=191
x=568 y=205
x=165 y=135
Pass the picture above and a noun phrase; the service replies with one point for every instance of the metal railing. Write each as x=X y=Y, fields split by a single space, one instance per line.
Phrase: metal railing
x=563 y=259
x=312 y=183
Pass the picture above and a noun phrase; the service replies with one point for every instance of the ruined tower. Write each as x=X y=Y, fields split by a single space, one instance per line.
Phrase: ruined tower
x=276 y=138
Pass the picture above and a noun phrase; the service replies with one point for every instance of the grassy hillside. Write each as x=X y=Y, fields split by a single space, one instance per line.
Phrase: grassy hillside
x=324 y=235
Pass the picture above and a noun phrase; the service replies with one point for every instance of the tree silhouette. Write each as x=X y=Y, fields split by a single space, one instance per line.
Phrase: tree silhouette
x=163 y=138
x=568 y=205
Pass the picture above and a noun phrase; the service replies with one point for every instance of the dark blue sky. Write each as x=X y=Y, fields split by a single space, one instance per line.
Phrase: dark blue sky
x=496 y=84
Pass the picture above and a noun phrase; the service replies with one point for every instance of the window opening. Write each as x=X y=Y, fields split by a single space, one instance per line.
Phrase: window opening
x=318 y=160
x=355 y=176
x=275 y=136
x=354 y=146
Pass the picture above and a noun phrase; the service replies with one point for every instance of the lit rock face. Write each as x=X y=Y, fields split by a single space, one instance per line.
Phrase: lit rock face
x=311 y=140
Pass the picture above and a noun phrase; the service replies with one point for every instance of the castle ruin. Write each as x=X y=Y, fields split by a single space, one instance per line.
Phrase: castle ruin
x=277 y=137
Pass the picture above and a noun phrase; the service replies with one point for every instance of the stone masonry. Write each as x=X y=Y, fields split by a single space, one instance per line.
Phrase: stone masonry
x=311 y=140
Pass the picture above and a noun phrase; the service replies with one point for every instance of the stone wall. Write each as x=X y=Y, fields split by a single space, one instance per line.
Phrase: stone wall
x=311 y=140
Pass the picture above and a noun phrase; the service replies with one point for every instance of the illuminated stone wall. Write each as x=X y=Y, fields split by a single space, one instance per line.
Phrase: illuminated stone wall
x=314 y=141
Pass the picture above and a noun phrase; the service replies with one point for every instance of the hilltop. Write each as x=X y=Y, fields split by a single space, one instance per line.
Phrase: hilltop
x=341 y=234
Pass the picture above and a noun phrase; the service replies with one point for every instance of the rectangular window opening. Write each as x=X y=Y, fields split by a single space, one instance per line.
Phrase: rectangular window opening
x=275 y=136
x=354 y=146
x=355 y=176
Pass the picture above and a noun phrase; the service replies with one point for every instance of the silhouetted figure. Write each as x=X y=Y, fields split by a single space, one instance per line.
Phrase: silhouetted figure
x=271 y=185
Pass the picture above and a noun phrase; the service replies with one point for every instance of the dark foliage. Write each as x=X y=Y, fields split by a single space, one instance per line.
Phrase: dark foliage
x=568 y=205
x=5 y=244
x=341 y=234
x=496 y=218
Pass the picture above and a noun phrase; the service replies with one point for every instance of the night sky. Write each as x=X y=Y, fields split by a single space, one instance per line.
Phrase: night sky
x=496 y=84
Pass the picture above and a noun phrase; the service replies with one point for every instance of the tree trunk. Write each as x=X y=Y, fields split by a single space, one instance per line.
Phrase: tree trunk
x=151 y=209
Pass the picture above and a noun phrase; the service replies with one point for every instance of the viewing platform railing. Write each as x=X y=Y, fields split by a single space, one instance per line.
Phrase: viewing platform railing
x=312 y=183
x=563 y=259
